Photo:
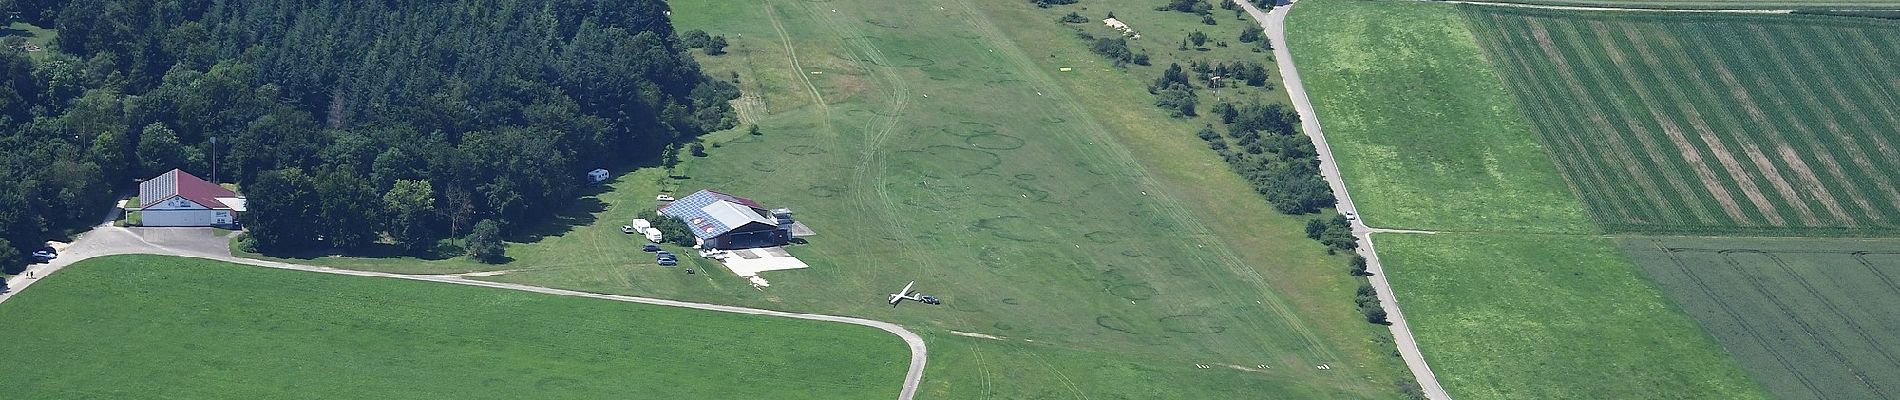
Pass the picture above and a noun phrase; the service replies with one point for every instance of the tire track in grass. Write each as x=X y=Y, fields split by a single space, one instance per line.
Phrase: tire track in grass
x=1714 y=141
x=1852 y=323
x=1111 y=152
x=1813 y=142
x=868 y=172
x=1739 y=320
x=1690 y=153
x=1884 y=278
x=1792 y=315
x=798 y=69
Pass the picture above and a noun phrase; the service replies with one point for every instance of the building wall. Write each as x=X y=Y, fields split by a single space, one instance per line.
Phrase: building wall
x=751 y=239
x=176 y=203
x=151 y=217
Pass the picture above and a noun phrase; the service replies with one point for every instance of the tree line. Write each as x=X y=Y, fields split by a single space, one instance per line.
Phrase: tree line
x=344 y=121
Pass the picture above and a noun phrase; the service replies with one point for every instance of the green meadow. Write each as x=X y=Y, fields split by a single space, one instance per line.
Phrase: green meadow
x=165 y=327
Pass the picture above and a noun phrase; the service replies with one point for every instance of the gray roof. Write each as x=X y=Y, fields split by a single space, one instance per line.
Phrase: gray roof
x=711 y=214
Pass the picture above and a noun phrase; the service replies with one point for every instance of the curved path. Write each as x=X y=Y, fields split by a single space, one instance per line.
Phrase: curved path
x=199 y=243
x=1275 y=24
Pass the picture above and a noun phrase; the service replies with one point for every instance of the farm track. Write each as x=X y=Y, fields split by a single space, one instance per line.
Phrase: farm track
x=1274 y=23
x=1780 y=141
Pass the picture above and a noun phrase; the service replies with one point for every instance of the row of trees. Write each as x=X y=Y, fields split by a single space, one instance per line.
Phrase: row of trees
x=411 y=119
x=1263 y=145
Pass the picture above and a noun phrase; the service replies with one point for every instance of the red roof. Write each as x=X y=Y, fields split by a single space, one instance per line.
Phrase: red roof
x=736 y=199
x=181 y=184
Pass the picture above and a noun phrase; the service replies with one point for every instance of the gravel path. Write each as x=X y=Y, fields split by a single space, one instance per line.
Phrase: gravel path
x=201 y=243
x=1275 y=24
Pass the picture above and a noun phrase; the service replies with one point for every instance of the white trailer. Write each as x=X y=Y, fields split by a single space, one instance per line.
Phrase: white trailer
x=653 y=234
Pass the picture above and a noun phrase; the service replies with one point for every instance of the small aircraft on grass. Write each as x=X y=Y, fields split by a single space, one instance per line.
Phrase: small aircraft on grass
x=907 y=294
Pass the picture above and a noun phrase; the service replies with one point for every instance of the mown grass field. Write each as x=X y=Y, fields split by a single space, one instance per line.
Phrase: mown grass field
x=1809 y=318
x=1519 y=297
x=1546 y=317
x=1712 y=124
x=1425 y=134
x=164 y=327
x=1061 y=211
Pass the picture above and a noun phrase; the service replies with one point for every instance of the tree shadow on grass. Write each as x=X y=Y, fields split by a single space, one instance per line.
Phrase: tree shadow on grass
x=370 y=251
x=574 y=215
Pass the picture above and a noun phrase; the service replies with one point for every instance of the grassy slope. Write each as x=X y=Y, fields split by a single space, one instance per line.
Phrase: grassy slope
x=1812 y=103
x=1500 y=314
x=1543 y=317
x=161 y=327
x=1425 y=134
x=1810 y=318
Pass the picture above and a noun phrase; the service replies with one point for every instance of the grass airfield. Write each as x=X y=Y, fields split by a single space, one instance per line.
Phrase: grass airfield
x=1106 y=250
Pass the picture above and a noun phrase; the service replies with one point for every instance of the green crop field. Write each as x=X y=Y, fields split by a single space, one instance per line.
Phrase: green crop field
x=1426 y=136
x=1809 y=318
x=1106 y=246
x=1712 y=124
x=1519 y=297
x=1721 y=4
x=1546 y=317
x=164 y=327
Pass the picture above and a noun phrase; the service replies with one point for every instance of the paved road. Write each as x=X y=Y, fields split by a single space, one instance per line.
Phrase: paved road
x=200 y=243
x=1275 y=24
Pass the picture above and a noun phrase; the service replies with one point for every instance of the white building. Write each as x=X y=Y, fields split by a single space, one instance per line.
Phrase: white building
x=180 y=199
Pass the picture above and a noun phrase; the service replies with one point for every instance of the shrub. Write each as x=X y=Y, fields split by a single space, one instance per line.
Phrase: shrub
x=484 y=242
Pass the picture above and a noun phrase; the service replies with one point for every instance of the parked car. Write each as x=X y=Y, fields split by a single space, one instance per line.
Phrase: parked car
x=649 y=247
x=668 y=261
x=1352 y=216
x=627 y=229
x=45 y=254
x=663 y=197
x=664 y=254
